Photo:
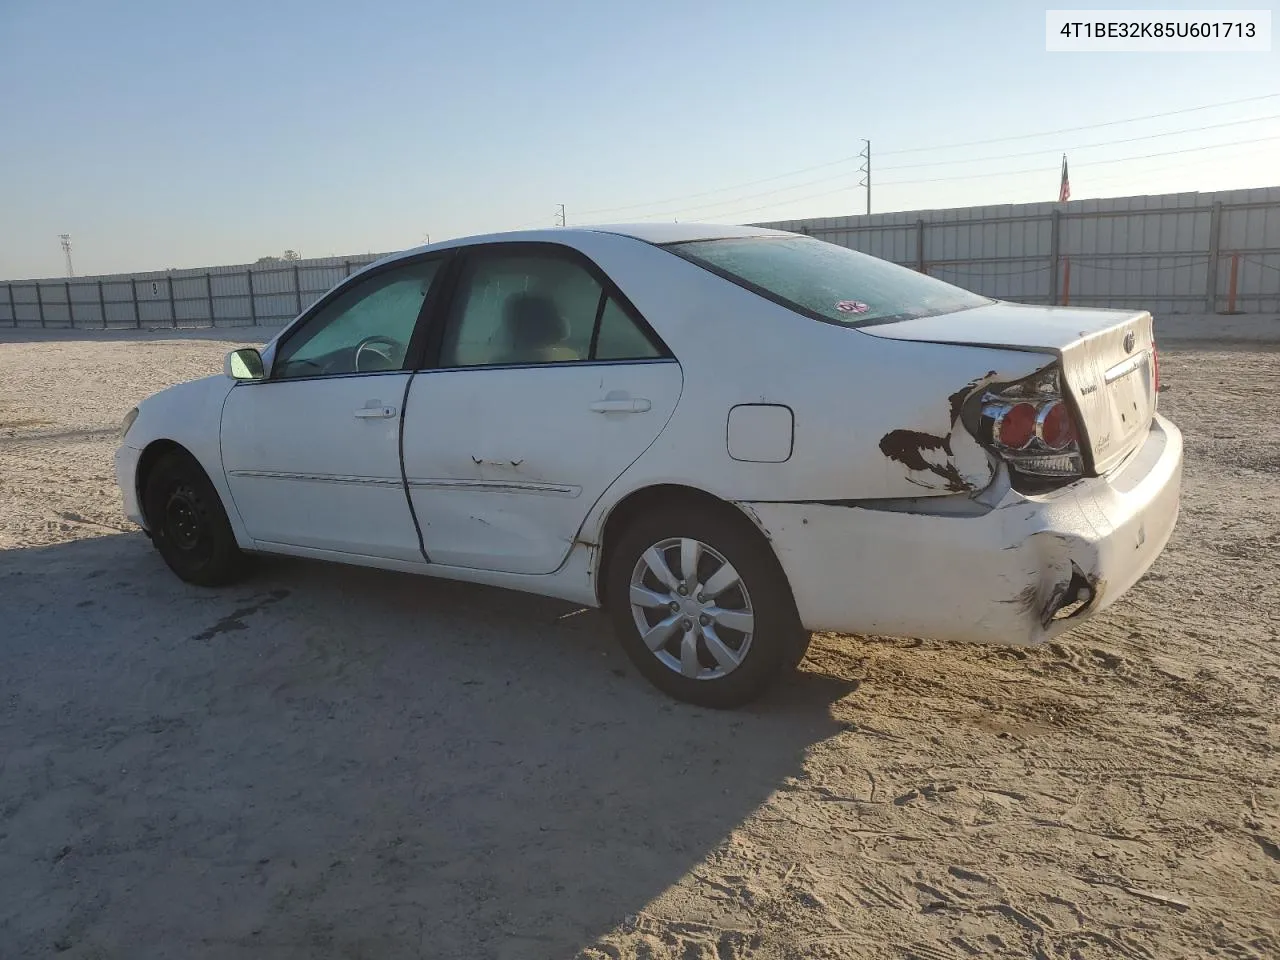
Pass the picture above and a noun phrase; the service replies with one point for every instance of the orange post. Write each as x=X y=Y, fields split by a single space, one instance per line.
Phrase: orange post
x=1066 y=281
x=1231 y=285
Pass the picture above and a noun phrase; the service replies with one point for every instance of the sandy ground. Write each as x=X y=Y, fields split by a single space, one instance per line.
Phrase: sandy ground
x=331 y=762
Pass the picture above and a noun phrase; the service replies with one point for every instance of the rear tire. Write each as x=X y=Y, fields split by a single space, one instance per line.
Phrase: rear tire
x=189 y=525
x=731 y=634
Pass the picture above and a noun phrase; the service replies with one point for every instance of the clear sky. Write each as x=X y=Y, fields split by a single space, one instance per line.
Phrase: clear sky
x=180 y=134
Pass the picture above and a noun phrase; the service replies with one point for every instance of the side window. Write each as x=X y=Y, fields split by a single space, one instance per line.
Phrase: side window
x=620 y=338
x=521 y=308
x=365 y=329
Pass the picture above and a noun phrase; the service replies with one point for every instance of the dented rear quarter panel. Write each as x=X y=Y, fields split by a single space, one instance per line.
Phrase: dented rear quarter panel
x=874 y=418
x=995 y=575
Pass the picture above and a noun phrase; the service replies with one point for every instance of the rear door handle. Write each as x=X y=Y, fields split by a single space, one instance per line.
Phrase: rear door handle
x=377 y=413
x=631 y=405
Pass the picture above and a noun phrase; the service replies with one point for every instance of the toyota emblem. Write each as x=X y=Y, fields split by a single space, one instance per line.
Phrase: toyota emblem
x=1129 y=340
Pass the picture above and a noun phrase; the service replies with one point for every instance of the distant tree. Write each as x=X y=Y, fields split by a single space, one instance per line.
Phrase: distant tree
x=290 y=255
x=267 y=260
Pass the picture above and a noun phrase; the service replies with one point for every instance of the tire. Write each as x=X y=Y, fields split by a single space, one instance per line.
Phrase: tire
x=725 y=665
x=189 y=526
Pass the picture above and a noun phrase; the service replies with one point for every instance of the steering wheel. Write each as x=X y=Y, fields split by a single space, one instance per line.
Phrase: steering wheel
x=388 y=356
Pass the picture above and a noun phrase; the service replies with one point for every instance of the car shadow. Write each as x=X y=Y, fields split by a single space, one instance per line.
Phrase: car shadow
x=328 y=760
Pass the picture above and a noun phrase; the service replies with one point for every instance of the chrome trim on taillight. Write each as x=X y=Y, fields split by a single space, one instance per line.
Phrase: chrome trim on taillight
x=1043 y=415
x=998 y=411
x=1049 y=465
x=1035 y=459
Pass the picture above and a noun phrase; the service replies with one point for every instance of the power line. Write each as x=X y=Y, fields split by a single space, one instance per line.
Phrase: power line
x=693 y=196
x=708 y=209
x=971 y=143
x=1147 y=171
x=1085 y=146
x=729 y=201
x=1090 y=163
x=1003 y=173
x=1087 y=126
x=770 y=206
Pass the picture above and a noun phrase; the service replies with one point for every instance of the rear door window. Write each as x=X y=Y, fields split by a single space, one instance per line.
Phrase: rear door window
x=517 y=307
x=620 y=337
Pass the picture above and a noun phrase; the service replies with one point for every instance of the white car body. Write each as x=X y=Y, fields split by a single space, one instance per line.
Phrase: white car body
x=842 y=445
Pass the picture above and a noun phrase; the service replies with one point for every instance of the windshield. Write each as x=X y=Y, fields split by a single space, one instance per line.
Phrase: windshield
x=826 y=281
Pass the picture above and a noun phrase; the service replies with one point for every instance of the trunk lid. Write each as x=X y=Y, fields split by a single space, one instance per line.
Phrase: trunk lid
x=1107 y=359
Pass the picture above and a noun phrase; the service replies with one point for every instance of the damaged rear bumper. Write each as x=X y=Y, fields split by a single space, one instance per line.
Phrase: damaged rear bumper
x=1019 y=573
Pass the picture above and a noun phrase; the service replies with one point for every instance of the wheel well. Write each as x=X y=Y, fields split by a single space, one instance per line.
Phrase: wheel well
x=150 y=457
x=655 y=498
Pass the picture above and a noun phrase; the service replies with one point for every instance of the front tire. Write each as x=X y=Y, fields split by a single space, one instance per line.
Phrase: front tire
x=702 y=607
x=189 y=526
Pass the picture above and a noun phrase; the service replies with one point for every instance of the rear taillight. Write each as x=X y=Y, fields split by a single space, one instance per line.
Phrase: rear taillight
x=1031 y=426
x=1013 y=425
x=1055 y=426
x=1155 y=366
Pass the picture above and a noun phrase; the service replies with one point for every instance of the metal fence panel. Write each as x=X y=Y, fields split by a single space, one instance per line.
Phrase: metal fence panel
x=230 y=285
x=1167 y=253
x=1185 y=252
x=194 y=297
x=232 y=311
x=275 y=307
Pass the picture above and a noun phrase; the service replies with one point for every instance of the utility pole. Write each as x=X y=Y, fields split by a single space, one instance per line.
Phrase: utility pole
x=865 y=170
x=560 y=220
x=66 y=250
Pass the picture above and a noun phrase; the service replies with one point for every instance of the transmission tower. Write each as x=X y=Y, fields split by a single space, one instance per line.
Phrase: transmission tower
x=560 y=220
x=66 y=251
x=865 y=170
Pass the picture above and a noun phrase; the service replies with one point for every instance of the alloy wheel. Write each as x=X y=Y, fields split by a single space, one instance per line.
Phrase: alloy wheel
x=692 y=609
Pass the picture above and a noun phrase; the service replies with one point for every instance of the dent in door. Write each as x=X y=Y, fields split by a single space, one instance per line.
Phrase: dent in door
x=504 y=464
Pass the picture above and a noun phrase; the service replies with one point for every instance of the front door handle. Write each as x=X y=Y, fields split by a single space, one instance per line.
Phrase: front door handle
x=376 y=413
x=630 y=405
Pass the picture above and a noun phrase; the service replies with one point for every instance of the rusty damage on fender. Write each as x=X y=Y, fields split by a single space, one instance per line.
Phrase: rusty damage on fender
x=909 y=447
x=957 y=399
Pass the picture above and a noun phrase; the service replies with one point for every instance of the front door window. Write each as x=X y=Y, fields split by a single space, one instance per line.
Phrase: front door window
x=365 y=329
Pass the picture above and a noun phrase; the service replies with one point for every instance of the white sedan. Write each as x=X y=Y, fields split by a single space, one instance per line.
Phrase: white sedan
x=728 y=437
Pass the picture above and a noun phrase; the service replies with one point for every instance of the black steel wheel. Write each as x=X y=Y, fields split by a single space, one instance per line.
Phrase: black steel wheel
x=188 y=524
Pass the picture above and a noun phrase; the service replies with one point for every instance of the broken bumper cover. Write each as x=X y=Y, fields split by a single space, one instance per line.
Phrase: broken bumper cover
x=997 y=577
x=126 y=474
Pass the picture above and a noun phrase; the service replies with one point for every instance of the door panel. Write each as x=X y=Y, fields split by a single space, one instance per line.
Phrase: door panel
x=316 y=463
x=312 y=454
x=504 y=463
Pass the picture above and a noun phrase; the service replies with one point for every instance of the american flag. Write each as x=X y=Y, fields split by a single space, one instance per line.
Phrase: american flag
x=1064 y=191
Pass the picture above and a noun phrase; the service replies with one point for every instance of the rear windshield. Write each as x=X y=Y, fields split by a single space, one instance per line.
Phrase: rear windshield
x=826 y=281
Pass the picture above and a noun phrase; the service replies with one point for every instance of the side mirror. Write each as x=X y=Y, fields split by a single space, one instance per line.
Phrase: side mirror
x=244 y=364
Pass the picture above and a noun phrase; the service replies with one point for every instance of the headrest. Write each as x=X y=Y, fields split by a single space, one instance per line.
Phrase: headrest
x=533 y=320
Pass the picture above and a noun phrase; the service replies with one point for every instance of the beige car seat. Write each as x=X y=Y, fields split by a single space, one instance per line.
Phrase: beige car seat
x=535 y=331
